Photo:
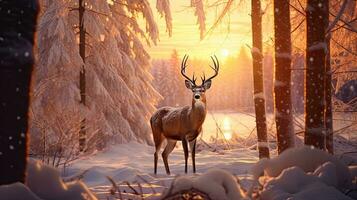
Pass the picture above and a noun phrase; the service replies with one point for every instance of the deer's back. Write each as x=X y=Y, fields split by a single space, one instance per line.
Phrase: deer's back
x=172 y=121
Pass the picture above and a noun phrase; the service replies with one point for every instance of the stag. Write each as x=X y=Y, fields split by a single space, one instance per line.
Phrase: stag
x=183 y=123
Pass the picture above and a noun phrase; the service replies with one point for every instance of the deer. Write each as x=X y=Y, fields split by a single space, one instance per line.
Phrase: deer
x=182 y=123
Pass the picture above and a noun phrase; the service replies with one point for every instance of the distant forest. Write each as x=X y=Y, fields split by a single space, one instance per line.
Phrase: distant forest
x=233 y=88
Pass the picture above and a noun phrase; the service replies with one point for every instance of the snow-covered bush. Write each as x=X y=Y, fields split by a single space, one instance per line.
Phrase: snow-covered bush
x=294 y=183
x=298 y=173
x=44 y=183
x=303 y=173
x=307 y=159
x=215 y=183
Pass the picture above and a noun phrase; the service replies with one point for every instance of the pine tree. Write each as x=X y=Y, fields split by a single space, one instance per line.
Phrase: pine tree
x=316 y=50
x=178 y=88
x=282 y=90
x=118 y=91
x=55 y=106
x=259 y=99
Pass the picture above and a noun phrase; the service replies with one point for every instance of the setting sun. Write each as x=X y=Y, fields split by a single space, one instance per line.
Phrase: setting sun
x=225 y=52
x=227 y=135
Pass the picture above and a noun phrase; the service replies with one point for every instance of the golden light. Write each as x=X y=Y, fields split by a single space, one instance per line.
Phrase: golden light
x=227 y=135
x=225 y=52
x=227 y=128
x=227 y=124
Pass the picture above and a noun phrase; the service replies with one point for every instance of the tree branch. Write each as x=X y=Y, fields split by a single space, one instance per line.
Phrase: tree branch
x=340 y=45
x=338 y=17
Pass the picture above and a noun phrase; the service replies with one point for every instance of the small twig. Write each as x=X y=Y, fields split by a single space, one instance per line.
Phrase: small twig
x=147 y=182
x=131 y=187
x=114 y=188
x=141 y=191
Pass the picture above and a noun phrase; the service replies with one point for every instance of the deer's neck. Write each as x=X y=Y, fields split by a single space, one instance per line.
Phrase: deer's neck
x=198 y=113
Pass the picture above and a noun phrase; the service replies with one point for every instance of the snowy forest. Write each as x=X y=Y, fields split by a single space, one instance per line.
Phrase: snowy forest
x=189 y=99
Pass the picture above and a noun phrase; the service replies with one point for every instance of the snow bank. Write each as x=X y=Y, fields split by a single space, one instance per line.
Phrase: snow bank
x=216 y=183
x=44 y=183
x=305 y=158
x=294 y=183
x=303 y=173
x=17 y=191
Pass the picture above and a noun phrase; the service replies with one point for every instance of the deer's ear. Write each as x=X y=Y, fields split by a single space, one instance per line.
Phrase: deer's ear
x=207 y=84
x=188 y=84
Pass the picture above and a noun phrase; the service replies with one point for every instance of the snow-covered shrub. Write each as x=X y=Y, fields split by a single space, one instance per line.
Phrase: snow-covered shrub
x=55 y=142
x=215 y=183
x=307 y=159
x=44 y=183
x=294 y=183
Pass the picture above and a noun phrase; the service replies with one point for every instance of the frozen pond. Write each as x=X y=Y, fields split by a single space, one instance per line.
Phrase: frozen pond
x=239 y=124
x=243 y=124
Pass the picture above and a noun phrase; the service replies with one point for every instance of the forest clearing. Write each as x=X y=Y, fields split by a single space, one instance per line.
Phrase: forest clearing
x=178 y=100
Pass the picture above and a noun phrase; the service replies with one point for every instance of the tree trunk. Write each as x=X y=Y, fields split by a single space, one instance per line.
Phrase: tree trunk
x=82 y=74
x=259 y=100
x=316 y=54
x=282 y=89
x=328 y=99
x=328 y=93
x=18 y=22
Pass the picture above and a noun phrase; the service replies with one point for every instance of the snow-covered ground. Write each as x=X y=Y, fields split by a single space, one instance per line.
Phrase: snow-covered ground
x=130 y=165
x=133 y=162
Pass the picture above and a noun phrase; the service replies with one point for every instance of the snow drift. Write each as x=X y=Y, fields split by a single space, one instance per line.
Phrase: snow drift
x=294 y=183
x=298 y=173
x=45 y=183
x=307 y=159
x=303 y=173
x=216 y=183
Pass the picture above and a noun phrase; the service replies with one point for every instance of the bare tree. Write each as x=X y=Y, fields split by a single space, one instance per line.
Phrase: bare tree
x=282 y=89
x=316 y=53
x=259 y=100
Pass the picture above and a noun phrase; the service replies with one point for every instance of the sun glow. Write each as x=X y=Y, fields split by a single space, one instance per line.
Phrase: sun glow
x=227 y=128
x=227 y=135
x=225 y=52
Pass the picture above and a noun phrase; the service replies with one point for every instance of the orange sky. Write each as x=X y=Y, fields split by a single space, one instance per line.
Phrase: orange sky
x=186 y=35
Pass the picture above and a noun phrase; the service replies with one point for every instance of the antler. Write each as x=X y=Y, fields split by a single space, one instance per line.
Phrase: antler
x=183 y=69
x=215 y=68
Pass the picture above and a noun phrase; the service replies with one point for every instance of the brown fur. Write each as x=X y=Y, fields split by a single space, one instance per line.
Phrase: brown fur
x=172 y=124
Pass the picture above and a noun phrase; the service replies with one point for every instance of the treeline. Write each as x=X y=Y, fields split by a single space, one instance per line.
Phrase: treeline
x=232 y=89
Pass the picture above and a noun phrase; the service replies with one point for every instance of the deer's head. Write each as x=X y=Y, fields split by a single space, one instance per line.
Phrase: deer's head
x=199 y=90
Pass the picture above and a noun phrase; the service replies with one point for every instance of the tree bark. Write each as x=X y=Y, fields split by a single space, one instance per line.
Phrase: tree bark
x=328 y=99
x=328 y=91
x=282 y=87
x=316 y=56
x=82 y=74
x=18 y=22
x=259 y=100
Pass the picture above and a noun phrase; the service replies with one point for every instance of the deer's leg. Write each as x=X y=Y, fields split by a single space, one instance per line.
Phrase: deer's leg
x=157 y=149
x=168 y=149
x=185 y=150
x=193 y=154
